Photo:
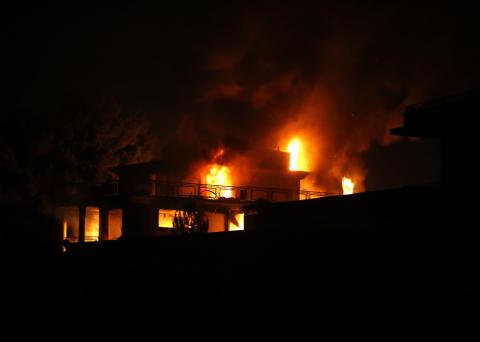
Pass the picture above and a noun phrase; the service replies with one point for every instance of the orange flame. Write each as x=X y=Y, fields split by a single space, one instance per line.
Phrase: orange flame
x=294 y=149
x=347 y=185
x=218 y=177
x=298 y=158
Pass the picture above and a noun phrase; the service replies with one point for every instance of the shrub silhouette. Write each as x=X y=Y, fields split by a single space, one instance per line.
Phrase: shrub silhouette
x=190 y=220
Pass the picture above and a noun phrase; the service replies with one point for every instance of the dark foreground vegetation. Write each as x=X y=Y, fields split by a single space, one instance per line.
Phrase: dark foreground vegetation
x=392 y=261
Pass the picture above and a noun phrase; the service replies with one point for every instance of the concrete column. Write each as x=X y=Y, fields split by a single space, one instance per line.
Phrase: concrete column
x=103 y=224
x=227 y=218
x=82 y=211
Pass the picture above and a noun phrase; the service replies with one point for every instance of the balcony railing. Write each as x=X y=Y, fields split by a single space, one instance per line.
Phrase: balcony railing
x=208 y=191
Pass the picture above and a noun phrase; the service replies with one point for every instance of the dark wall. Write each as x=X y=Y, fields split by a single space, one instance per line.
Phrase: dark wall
x=138 y=220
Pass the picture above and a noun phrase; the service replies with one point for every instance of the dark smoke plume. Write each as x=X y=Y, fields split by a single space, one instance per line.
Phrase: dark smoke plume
x=340 y=74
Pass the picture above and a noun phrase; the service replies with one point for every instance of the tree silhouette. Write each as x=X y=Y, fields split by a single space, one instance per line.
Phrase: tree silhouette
x=40 y=153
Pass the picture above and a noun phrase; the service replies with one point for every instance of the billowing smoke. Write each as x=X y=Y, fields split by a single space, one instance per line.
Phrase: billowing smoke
x=337 y=75
x=229 y=75
x=189 y=80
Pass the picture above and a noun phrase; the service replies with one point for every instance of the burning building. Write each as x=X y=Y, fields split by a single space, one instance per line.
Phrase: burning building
x=148 y=198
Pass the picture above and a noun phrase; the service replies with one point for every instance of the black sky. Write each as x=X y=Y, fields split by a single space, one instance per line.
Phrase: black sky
x=208 y=62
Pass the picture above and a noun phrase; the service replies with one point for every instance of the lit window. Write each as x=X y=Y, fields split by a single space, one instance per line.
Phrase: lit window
x=165 y=218
x=65 y=231
x=92 y=223
x=114 y=224
x=216 y=222
x=236 y=222
x=69 y=217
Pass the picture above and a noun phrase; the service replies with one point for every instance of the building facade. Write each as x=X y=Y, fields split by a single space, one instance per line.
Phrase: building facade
x=148 y=196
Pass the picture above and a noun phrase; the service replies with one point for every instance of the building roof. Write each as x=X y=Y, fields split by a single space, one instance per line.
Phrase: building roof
x=437 y=117
x=394 y=205
x=141 y=168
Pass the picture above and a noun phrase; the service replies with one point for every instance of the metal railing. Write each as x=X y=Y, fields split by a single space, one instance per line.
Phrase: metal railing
x=209 y=191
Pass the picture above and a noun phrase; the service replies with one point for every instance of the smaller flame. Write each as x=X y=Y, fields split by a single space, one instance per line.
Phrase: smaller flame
x=218 y=154
x=294 y=150
x=347 y=185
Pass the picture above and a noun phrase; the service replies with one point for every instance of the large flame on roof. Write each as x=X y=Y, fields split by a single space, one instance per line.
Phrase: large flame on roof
x=294 y=150
x=347 y=186
x=298 y=158
x=217 y=178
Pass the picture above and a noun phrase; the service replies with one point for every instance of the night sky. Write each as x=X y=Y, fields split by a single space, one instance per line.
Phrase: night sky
x=233 y=74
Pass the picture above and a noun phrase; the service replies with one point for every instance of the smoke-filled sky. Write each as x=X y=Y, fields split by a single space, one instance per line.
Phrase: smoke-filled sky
x=243 y=75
